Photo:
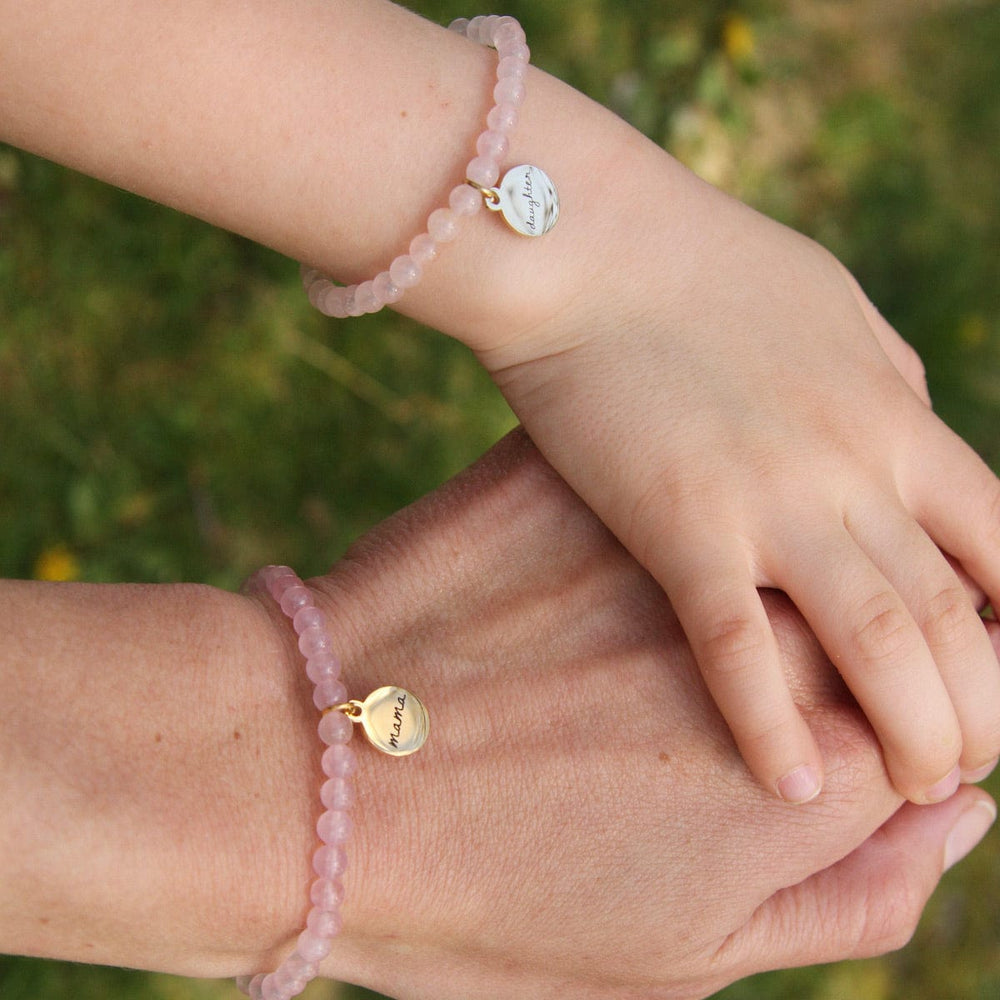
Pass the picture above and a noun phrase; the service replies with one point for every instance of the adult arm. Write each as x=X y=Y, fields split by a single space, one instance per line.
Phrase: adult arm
x=579 y=820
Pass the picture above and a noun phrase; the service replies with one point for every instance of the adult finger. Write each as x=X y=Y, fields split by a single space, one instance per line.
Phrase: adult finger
x=870 y=902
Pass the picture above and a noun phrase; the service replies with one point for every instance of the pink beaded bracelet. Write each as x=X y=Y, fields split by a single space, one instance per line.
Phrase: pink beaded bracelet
x=394 y=720
x=526 y=197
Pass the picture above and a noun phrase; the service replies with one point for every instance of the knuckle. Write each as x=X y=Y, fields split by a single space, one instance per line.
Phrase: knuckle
x=947 y=615
x=733 y=645
x=883 y=630
x=889 y=915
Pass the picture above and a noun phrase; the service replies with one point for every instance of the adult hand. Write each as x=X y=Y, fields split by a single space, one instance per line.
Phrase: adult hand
x=579 y=820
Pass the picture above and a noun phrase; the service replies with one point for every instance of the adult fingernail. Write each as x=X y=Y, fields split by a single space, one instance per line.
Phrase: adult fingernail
x=945 y=788
x=969 y=829
x=974 y=777
x=800 y=785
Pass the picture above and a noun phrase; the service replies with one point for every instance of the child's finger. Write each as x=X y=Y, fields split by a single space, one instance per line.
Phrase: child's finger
x=949 y=620
x=715 y=597
x=873 y=639
x=956 y=498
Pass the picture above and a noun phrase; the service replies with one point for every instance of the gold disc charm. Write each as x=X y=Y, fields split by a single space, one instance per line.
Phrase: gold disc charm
x=394 y=720
x=527 y=199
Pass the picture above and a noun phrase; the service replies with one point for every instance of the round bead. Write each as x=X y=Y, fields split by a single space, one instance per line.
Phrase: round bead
x=333 y=302
x=509 y=90
x=465 y=200
x=314 y=641
x=385 y=289
x=502 y=118
x=493 y=145
x=405 y=272
x=312 y=947
x=338 y=793
x=329 y=692
x=423 y=248
x=254 y=987
x=334 y=827
x=365 y=298
x=351 y=301
x=514 y=61
x=323 y=667
x=324 y=923
x=335 y=727
x=483 y=172
x=442 y=225
x=327 y=894
x=294 y=598
x=339 y=761
x=308 y=617
x=329 y=862
x=298 y=967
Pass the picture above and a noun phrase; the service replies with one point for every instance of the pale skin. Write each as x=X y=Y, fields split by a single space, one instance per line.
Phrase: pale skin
x=562 y=832
x=716 y=387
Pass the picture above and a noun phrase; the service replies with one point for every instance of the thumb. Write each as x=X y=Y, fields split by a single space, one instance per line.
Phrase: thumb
x=871 y=901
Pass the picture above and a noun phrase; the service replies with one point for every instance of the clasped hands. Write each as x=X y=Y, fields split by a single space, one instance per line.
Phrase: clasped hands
x=580 y=822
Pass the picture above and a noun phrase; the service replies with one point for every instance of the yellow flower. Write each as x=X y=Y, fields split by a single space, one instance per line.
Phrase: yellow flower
x=57 y=564
x=738 y=38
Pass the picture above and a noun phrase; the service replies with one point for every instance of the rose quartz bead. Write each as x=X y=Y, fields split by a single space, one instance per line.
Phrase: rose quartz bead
x=327 y=894
x=483 y=172
x=280 y=580
x=465 y=200
x=329 y=862
x=339 y=761
x=334 y=827
x=509 y=90
x=332 y=301
x=511 y=67
x=308 y=617
x=323 y=667
x=324 y=923
x=351 y=301
x=337 y=793
x=314 y=641
x=502 y=118
x=423 y=248
x=385 y=289
x=335 y=727
x=405 y=272
x=365 y=298
x=459 y=25
x=312 y=947
x=294 y=598
x=277 y=986
x=493 y=145
x=514 y=61
x=298 y=967
x=243 y=984
x=442 y=225
x=329 y=692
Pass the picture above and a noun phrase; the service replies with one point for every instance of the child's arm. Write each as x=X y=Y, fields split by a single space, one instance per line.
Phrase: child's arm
x=707 y=380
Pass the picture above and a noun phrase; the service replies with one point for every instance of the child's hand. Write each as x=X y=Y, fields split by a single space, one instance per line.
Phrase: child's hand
x=735 y=412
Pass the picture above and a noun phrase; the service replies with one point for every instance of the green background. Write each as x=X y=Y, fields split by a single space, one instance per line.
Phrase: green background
x=171 y=409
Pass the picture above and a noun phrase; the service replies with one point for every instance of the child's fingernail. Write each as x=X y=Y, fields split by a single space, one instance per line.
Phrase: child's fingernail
x=800 y=785
x=945 y=788
x=969 y=829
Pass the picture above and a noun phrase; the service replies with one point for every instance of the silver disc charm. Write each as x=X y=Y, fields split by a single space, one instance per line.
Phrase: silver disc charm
x=527 y=199
x=395 y=721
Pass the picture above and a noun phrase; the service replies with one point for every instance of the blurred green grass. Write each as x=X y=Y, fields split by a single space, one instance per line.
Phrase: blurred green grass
x=170 y=407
